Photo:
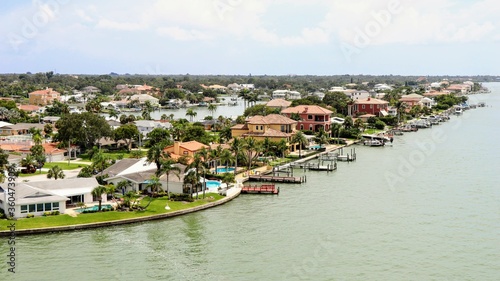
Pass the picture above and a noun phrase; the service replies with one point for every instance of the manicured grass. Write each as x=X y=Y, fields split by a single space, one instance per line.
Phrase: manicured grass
x=112 y=155
x=157 y=206
x=30 y=175
x=372 y=131
x=64 y=165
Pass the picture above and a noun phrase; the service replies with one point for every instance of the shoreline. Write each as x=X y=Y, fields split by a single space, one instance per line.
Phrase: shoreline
x=34 y=231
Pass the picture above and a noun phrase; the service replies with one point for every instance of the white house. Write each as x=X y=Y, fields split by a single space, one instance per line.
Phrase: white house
x=286 y=94
x=142 y=98
x=50 y=195
x=146 y=126
x=138 y=173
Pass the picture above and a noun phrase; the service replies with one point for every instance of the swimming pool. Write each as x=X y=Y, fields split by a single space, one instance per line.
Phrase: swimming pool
x=95 y=208
x=213 y=184
x=224 y=170
x=315 y=147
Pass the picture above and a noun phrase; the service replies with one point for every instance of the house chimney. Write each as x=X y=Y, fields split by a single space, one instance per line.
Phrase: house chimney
x=368 y=98
x=176 y=147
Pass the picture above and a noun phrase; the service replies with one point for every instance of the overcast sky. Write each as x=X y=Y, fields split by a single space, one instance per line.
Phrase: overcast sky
x=273 y=37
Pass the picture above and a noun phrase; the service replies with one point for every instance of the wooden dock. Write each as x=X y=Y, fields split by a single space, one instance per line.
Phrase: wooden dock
x=269 y=178
x=316 y=166
x=263 y=189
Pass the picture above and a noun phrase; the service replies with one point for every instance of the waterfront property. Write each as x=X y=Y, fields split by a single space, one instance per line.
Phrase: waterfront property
x=47 y=196
x=312 y=117
x=368 y=106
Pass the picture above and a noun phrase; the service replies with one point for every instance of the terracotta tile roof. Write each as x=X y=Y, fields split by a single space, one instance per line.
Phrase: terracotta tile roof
x=223 y=145
x=309 y=109
x=270 y=119
x=11 y=147
x=279 y=103
x=44 y=92
x=51 y=148
x=193 y=145
x=28 y=107
x=240 y=127
x=370 y=101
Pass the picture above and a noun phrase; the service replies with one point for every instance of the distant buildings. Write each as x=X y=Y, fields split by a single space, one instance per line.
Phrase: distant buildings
x=43 y=97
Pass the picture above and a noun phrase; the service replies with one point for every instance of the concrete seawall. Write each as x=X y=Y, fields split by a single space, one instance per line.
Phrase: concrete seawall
x=20 y=232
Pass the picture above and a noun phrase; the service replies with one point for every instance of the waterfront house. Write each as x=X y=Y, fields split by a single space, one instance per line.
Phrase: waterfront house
x=142 y=98
x=312 y=117
x=411 y=100
x=43 y=97
x=186 y=149
x=367 y=106
x=275 y=127
x=50 y=195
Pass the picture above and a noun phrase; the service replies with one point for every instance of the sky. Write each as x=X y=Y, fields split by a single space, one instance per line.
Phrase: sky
x=258 y=37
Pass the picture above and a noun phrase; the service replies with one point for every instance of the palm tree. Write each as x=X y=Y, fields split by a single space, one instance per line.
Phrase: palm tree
x=236 y=146
x=191 y=178
x=122 y=185
x=245 y=94
x=300 y=139
x=129 y=198
x=282 y=146
x=400 y=107
x=226 y=157
x=155 y=154
x=155 y=185
x=113 y=113
x=212 y=108
x=167 y=167
x=111 y=189
x=228 y=178
x=30 y=163
x=191 y=113
x=56 y=172
x=97 y=192
x=321 y=137
x=100 y=161
x=197 y=164
x=336 y=127
x=252 y=148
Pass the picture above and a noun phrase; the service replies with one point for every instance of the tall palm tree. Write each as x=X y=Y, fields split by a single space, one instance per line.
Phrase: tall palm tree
x=335 y=128
x=167 y=167
x=191 y=113
x=56 y=172
x=321 y=137
x=245 y=94
x=100 y=161
x=252 y=147
x=156 y=154
x=198 y=164
x=212 y=108
x=236 y=147
x=97 y=192
x=155 y=185
x=300 y=139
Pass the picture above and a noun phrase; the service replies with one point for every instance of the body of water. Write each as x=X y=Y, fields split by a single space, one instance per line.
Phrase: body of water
x=426 y=208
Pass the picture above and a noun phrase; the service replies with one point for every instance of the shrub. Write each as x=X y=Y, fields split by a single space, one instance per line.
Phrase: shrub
x=46 y=214
x=380 y=125
x=30 y=216
x=55 y=213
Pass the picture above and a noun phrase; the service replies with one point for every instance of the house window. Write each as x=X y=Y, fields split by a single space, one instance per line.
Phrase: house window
x=185 y=153
x=363 y=106
x=309 y=117
x=371 y=106
x=24 y=209
x=257 y=128
x=48 y=206
x=261 y=127
x=39 y=207
x=301 y=126
x=55 y=206
x=378 y=106
x=282 y=128
x=31 y=208
x=310 y=127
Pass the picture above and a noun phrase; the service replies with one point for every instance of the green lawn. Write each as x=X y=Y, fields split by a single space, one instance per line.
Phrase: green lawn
x=372 y=131
x=21 y=175
x=156 y=207
x=64 y=165
x=112 y=155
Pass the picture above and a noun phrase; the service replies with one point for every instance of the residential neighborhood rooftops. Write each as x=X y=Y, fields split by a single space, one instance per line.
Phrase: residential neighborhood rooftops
x=270 y=119
x=309 y=109
x=279 y=103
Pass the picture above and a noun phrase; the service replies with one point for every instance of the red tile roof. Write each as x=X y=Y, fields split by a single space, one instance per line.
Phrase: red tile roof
x=309 y=109
x=270 y=119
x=370 y=101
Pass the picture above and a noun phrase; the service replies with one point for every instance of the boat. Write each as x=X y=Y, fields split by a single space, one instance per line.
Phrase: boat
x=458 y=110
x=373 y=142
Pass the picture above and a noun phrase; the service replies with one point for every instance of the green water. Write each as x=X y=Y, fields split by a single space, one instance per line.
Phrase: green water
x=427 y=208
